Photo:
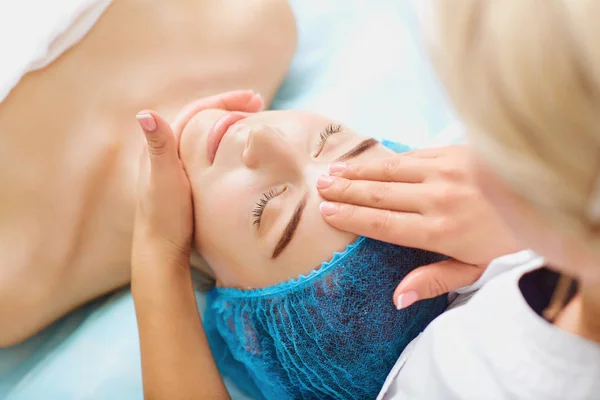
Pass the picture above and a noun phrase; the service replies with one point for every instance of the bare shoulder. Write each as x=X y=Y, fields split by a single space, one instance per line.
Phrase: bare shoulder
x=69 y=147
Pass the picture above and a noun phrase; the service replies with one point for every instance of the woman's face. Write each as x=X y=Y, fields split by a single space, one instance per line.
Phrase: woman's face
x=253 y=177
x=561 y=251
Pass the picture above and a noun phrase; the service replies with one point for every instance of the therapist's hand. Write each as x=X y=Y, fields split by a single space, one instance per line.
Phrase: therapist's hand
x=175 y=355
x=164 y=217
x=163 y=226
x=426 y=199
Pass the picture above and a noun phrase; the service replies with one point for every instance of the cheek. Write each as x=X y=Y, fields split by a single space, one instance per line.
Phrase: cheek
x=560 y=250
x=517 y=214
x=497 y=194
x=529 y=227
x=217 y=204
x=223 y=202
x=212 y=219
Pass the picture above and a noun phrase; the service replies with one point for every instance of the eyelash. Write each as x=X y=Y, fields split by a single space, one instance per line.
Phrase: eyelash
x=329 y=130
x=259 y=208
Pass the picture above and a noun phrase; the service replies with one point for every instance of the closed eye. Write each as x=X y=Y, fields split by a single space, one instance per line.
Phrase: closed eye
x=259 y=208
x=329 y=130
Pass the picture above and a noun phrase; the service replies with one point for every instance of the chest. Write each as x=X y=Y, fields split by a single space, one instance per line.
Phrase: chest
x=69 y=143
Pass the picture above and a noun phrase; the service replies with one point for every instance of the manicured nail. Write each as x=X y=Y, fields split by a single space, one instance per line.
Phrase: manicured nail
x=147 y=122
x=324 y=181
x=406 y=299
x=337 y=168
x=328 y=208
x=258 y=98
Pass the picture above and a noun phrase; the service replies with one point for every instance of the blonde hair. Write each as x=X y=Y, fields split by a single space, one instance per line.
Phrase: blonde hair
x=524 y=75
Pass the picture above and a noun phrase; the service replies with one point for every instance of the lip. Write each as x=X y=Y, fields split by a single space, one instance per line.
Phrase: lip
x=218 y=131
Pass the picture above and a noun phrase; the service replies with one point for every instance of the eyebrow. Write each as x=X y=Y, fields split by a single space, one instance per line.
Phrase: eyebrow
x=290 y=229
x=357 y=150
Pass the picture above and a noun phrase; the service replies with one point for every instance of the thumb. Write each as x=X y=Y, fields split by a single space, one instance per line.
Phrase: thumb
x=162 y=144
x=434 y=280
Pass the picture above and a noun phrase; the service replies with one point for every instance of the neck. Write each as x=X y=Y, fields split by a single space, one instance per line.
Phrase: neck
x=582 y=315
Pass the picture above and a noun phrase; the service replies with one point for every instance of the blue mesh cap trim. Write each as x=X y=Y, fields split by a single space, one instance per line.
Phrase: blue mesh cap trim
x=332 y=334
x=397 y=147
x=291 y=284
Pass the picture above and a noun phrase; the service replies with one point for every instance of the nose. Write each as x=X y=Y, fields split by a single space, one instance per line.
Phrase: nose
x=267 y=147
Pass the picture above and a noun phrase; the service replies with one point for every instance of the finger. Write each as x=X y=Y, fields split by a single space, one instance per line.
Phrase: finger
x=434 y=280
x=144 y=164
x=432 y=152
x=405 y=197
x=235 y=100
x=403 y=229
x=161 y=142
x=390 y=169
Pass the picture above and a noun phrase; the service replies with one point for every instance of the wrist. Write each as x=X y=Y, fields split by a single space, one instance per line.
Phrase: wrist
x=160 y=276
x=152 y=251
x=158 y=260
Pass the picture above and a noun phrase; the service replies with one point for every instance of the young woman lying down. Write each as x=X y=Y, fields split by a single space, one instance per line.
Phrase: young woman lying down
x=69 y=193
x=71 y=145
x=299 y=308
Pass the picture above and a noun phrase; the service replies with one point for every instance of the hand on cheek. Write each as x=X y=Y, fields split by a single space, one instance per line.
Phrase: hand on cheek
x=163 y=227
x=164 y=219
x=425 y=199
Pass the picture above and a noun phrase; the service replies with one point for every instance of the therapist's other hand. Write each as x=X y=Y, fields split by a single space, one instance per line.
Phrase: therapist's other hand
x=426 y=199
x=163 y=226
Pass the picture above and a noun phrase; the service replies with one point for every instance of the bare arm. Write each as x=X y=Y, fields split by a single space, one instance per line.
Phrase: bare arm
x=176 y=359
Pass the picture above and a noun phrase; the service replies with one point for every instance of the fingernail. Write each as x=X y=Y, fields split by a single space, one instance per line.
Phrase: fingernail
x=337 y=168
x=258 y=97
x=324 y=181
x=328 y=208
x=406 y=299
x=147 y=122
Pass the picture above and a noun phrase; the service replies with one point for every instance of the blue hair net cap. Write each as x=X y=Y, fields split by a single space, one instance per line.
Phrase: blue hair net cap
x=332 y=334
x=397 y=147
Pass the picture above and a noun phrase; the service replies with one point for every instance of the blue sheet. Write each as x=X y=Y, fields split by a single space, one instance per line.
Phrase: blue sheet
x=358 y=61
